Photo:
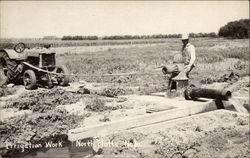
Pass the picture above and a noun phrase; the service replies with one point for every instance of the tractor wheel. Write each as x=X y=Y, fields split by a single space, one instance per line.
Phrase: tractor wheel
x=29 y=79
x=64 y=80
x=8 y=66
x=3 y=78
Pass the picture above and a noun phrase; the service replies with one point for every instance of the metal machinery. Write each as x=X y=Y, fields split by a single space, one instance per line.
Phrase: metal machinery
x=32 y=67
x=179 y=83
x=178 y=80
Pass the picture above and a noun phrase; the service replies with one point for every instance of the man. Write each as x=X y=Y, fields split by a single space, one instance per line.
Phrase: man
x=187 y=56
x=188 y=53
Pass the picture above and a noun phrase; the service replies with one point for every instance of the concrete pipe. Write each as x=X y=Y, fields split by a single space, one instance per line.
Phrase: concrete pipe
x=194 y=93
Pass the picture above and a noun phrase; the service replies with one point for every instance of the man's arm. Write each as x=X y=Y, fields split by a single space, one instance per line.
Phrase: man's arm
x=192 y=56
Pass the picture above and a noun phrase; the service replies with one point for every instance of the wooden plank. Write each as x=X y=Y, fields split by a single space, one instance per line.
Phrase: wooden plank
x=159 y=108
x=241 y=104
x=154 y=128
x=139 y=121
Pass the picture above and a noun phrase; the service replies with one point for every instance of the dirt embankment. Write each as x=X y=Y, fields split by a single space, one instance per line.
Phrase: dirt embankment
x=45 y=122
x=47 y=118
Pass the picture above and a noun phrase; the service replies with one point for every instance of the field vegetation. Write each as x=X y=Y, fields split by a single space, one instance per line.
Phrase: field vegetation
x=216 y=58
x=32 y=43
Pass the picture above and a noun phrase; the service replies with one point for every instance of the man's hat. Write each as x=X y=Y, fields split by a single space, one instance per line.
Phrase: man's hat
x=184 y=36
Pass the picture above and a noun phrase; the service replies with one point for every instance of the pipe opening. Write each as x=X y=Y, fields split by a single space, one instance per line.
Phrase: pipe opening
x=228 y=94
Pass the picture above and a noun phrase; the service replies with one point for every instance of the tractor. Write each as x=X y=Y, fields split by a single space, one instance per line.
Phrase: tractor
x=31 y=67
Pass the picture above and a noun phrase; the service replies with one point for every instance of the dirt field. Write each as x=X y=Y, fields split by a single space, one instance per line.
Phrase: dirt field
x=41 y=115
x=214 y=134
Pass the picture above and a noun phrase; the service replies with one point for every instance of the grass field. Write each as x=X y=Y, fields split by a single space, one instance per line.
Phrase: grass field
x=216 y=58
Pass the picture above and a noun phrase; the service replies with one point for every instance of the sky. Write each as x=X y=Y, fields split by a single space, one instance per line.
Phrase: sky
x=35 y=19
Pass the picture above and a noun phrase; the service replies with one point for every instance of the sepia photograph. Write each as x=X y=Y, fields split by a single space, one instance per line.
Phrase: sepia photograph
x=124 y=79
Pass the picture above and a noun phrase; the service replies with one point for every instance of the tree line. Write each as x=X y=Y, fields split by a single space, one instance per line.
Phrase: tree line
x=127 y=37
x=236 y=29
x=233 y=29
x=80 y=37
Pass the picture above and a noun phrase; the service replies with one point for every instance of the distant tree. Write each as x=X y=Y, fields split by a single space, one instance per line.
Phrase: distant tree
x=66 y=38
x=51 y=38
x=79 y=37
x=212 y=34
x=192 y=35
x=236 y=29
